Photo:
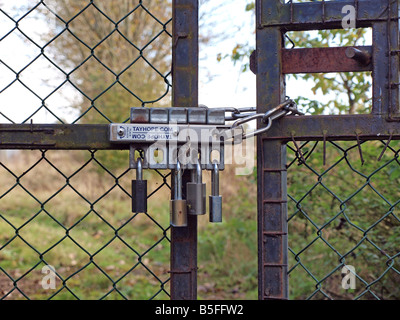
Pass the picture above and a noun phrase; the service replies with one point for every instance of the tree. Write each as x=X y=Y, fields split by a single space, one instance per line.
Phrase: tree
x=116 y=56
x=350 y=90
x=348 y=203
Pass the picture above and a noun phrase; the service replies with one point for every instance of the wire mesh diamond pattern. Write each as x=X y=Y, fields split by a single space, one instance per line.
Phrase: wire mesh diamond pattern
x=343 y=220
x=68 y=61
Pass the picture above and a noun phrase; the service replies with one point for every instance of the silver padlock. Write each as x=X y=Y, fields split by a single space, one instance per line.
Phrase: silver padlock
x=178 y=206
x=196 y=192
x=215 y=199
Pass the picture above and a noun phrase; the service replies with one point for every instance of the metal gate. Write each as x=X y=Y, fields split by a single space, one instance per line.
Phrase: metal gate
x=311 y=137
x=289 y=146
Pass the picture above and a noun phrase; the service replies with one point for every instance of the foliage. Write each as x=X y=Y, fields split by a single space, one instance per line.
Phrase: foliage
x=227 y=252
x=353 y=86
x=349 y=91
x=114 y=56
x=83 y=227
x=105 y=48
x=344 y=212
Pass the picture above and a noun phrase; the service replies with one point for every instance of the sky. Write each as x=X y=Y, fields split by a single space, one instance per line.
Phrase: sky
x=229 y=86
x=221 y=84
x=16 y=101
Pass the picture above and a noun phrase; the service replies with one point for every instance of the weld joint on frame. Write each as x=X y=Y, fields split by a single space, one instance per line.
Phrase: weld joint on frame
x=275 y=265
x=274 y=170
x=183 y=271
x=274 y=201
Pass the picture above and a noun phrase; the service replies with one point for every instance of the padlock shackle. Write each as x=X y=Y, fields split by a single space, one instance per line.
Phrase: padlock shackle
x=197 y=174
x=215 y=179
x=178 y=182
x=139 y=169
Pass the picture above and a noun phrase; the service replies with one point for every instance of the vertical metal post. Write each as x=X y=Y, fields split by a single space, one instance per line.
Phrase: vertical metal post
x=271 y=165
x=386 y=64
x=184 y=94
x=380 y=64
x=393 y=58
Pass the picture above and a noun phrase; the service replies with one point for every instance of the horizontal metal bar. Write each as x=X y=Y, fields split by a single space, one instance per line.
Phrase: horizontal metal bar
x=57 y=136
x=319 y=15
x=333 y=127
x=150 y=133
x=97 y=136
x=183 y=271
x=274 y=170
x=312 y=60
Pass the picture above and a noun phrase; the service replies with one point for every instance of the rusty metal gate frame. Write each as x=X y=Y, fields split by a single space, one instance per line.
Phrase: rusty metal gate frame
x=183 y=247
x=185 y=92
x=271 y=62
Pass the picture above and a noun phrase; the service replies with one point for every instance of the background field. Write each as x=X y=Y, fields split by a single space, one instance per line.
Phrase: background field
x=80 y=221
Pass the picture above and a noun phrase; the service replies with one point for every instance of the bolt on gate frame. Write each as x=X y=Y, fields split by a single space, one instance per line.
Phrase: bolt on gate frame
x=271 y=61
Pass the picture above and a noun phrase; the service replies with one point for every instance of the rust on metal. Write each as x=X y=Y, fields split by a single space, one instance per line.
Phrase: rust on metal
x=185 y=48
x=359 y=148
x=333 y=127
x=324 y=148
x=298 y=150
x=362 y=57
x=335 y=59
x=253 y=62
x=57 y=136
x=386 y=146
x=274 y=18
x=318 y=15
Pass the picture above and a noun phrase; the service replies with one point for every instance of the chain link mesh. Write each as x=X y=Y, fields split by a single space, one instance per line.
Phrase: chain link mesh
x=343 y=220
x=69 y=61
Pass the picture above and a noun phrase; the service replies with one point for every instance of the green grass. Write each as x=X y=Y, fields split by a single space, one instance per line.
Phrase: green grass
x=99 y=248
x=102 y=250
x=95 y=245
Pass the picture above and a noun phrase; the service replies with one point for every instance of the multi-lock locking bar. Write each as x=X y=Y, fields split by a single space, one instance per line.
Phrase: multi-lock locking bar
x=165 y=135
x=186 y=138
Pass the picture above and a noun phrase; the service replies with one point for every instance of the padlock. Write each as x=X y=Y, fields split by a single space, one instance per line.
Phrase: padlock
x=178 y=206
x=196 y=192
x=139 y=190
x=215 y=199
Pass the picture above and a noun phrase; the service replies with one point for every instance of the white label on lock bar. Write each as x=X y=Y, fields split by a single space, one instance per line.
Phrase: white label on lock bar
x=133 y=132
x=142 y=132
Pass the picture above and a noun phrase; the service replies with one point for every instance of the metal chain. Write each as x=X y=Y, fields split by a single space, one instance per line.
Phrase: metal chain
x=238 y=113
x=289 y=107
